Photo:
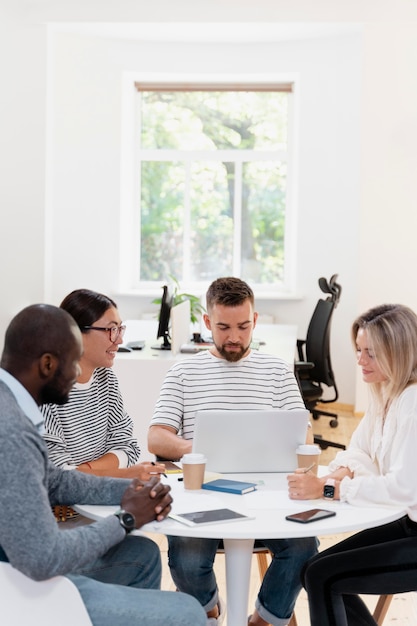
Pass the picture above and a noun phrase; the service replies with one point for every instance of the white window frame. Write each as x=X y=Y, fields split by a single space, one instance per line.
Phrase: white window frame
x=130 y=159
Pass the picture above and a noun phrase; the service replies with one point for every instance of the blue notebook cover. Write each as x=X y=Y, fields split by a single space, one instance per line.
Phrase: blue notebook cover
x=230 y=486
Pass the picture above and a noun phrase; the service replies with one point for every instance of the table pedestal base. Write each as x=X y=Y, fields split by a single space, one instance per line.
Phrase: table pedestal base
x=238 y=554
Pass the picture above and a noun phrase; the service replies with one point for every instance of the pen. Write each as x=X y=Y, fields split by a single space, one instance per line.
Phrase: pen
x=307 y=469
x=156 y=473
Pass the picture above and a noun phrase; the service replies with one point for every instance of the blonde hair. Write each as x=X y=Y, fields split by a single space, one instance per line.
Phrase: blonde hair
x=392 y=335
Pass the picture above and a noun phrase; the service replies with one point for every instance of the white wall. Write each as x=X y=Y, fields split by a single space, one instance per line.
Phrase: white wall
x=356 y=166
x=85 y=85
x=22 y=165
x=387 y=246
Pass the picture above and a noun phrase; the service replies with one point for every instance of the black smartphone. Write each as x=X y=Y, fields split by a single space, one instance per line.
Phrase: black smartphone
x=312 y=515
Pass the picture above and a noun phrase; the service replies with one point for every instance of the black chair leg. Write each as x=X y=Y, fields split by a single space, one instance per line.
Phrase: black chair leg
x=333 y=422
x=325 y=443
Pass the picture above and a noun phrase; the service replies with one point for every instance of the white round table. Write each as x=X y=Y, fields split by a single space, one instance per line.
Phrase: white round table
x=268 y=506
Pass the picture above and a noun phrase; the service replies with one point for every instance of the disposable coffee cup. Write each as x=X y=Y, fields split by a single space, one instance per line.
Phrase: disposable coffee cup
x=307 y=454
x=193 y=467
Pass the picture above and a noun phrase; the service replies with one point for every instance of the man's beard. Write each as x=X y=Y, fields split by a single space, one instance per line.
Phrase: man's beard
x=234 y=356
x=55 y=392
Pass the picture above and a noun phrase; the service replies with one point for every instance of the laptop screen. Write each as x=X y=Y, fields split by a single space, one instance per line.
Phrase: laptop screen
x=250 y=441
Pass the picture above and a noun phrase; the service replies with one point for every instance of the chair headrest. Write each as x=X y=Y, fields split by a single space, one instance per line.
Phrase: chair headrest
x=331 y=287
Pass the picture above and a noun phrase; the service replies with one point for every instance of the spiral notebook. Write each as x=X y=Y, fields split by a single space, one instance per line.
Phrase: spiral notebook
x=250 y=441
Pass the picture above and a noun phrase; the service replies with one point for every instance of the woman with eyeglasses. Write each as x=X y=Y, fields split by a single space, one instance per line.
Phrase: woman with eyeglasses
x=92 y=432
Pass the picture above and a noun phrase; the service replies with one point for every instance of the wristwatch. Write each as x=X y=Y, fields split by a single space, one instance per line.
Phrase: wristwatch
x=329 y=488
x=127 y=520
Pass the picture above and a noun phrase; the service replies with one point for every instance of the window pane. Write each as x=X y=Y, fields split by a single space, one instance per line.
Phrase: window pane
x=162 y=217
x=211 y=222
x=263 y=222
x=224 y=120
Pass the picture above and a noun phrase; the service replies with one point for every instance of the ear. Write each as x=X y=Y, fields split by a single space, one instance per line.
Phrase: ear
x=255 y=319
x=48 y=364
x=207 y=321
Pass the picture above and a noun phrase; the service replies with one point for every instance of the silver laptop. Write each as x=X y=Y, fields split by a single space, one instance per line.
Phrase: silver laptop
x=250 y=441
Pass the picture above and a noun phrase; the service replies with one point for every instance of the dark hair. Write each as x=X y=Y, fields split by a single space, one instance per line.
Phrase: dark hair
x=86 y=306
x=228 y=291
x=36 y=330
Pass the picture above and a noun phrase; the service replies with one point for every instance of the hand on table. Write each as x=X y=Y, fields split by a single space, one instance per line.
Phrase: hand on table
x=147 y=501
x=107 y=466
x=304 y=485
x=145 y=470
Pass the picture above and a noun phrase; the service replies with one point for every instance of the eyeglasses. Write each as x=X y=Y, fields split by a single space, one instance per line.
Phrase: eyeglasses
x=114 y=331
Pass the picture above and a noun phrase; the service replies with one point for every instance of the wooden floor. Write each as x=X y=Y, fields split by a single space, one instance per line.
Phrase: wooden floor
x=403 y=609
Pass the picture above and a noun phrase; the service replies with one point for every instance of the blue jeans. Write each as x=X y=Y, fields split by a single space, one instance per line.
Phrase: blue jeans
x=191 y=564
x=122 y=587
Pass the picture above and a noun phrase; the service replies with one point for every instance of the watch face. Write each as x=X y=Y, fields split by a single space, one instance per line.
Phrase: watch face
x=328 y=491
x=128 y=521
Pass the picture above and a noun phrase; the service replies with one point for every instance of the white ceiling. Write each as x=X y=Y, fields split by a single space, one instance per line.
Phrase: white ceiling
x=232 y=32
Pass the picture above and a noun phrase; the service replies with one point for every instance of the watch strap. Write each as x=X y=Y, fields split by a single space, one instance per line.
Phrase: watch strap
x=329 y=488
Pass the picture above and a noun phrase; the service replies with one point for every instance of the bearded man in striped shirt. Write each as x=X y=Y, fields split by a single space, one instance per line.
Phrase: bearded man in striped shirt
x=228 y=376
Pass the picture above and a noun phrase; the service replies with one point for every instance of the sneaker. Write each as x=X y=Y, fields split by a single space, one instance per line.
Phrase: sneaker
x=216 y=621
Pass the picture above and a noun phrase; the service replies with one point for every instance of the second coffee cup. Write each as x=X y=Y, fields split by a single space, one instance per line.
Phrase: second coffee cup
x=307 y=454
x=193 y=468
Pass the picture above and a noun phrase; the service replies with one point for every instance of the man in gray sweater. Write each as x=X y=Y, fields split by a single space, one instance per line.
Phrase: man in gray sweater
x=118 y=574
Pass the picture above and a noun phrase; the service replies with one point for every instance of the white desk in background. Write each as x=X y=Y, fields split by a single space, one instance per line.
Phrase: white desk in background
x=142 y=372
x=268 y=506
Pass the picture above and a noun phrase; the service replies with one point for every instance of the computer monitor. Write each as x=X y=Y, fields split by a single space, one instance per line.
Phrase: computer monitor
x=164 y=317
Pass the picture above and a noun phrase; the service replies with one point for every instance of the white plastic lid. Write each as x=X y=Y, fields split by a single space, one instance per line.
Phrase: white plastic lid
x=308 y=448
x=193 y=458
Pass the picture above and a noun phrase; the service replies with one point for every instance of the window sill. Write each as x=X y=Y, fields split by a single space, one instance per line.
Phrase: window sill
x=259 y=295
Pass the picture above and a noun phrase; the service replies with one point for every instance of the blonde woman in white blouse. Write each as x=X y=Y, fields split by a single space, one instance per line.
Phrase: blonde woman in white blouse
x=379 y=467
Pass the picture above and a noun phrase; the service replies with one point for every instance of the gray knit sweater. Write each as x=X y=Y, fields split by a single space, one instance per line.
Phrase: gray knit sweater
x=29 y=484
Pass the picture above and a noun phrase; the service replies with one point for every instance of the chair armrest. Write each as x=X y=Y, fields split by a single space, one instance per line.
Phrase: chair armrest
x=302 y=366
x=300 y=346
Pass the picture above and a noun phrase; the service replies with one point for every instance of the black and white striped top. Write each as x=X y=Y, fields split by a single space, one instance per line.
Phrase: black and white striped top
x=203 y=381
x=92 y=423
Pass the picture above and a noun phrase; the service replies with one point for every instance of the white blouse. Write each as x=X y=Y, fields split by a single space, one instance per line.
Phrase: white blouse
x=383 y=458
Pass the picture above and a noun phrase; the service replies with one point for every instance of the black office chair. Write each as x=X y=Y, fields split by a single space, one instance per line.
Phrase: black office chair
x=314 y=369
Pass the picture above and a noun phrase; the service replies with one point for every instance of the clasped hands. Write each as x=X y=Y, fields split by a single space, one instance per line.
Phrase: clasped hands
x=147 y=501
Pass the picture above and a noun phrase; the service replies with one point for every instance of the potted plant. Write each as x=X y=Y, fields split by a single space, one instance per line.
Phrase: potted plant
x=196 y=308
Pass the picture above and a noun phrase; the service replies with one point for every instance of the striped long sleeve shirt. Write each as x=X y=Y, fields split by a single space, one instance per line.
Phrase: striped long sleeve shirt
x=203 y=381
x=92 y=423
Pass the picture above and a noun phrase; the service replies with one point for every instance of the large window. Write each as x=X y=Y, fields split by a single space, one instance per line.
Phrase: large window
x=212 y=171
